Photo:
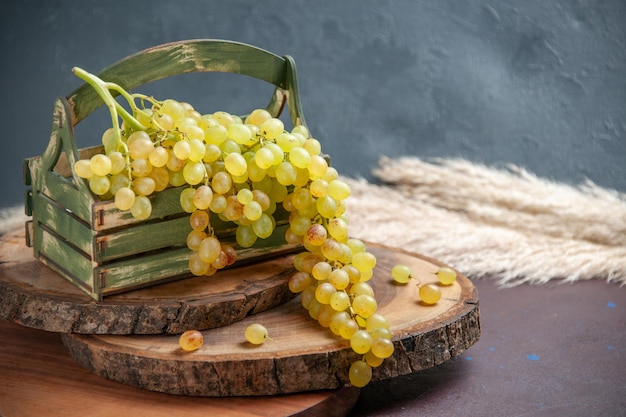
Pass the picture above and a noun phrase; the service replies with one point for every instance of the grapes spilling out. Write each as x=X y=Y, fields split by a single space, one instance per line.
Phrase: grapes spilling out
x=241 y=169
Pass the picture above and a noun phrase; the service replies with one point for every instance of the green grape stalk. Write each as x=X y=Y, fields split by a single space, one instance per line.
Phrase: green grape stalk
x=241 y=169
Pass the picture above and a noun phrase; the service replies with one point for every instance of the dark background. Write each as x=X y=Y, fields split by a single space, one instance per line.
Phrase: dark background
x=541 y=84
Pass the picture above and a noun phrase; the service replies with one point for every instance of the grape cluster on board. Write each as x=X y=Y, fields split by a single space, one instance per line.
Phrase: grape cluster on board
x=240 y=169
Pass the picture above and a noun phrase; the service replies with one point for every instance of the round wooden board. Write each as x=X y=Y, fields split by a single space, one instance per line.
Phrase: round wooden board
x=39 y=378
x=302 y=355
x=33 y=295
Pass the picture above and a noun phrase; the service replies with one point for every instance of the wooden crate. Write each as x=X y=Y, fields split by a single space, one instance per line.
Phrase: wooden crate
x=90 y=242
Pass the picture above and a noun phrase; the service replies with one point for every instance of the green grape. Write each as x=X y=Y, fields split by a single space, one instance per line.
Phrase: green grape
x=353 y=274
x=299 y=281
x=331 y=249
x=241 y=134
x=271 y=128
x=361 y=288
x=118 y=181
x=163 y=121
x=323 y=292
x=100 y=165
x=361 y=342
x=330 y=175
x=348 y=329
x=255 y=173
x=364 y=305
x=118 y=162
x=218 y=204
x=337 y=320
x=382 y=348
x=302 y=177
x=430 y=293
x=190 y=340
x=245 y=196
x=279 y=154
x=356 y=245
x=235 y=164
x=376 y=321
x=211 y=153
x=141 y=208
x=139 y=145
x=325 y=315
x=264 y=226
x=172 y=108
x=286 y=141
x=252 y=211
x=174 y=164
x=176 y=178
x=317 y=166
x=299 y=224
x=256 y=333
x=301 y=198
x=446 y=276
x=321 y=271
x=264 y=158
x=307 y=296
x=299 y=157
x=380 y=332
x=261 y=198
x=312 y=146
x=83 y=169
x=286 y=173
x=301 y=130
x=278 y=192
x=401 y=273
x=216 y=134
x=245 y=236
x=197 y=266
x=124 y=198
x=159 y=156
x=326 y=206
x=221 y=182
x=258 y=116
x=318 y=188
x=223 y=118
x=99 y=185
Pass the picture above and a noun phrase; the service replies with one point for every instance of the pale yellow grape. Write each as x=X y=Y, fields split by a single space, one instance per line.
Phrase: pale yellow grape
x=118 y=162
x=380 y=333
x=326 y=206
x=163 y=121
x=144 y=116
x=318 y=188
x=186 y=200
x=258 y=116
x=230 y=146
x=382 y=348
x=338 y=229
x=317 y=234
x=175 y=164
x=197 y=150
x=299 y=224
x=339 y=301
x=209 y=249
x=124 y=198
x=197 y=266
x=361 y=288
x=245 y=236
x=139 y=145
x=361 y=342
x=240 y=179
x=271 y=128
x=183 y=123
x=194 y=238
x=140 y=167
x=312 y=146
x=256 y=333
x=107 y=136
x=83 y=169
x=299 y=157
x=234 y=209
x=299 y=281
x=337 y=320
x=292 y=238
x=278 y=192
x=100 y=165
x=172 y=108
x=119 y=181
x=190 y=340
x=348 y=328
x=330 y=175
x=159 y=156
x=221 y=182
x=194 y=172
x=199 y=220
x=286 y=173
x=252 y=211
x=323 y=292
x=338 y=190
x=286 y=141
x=373 y=360
x=261 y=198
x=161 y=178
x=446 y=276
x=356 y=245
x=141 y=208
x=255 y=173
x=376 y=321
x=223 y=118
x=235 y=164
x=99 y=185
x=182 y=149
x=264 y=226
x=215 y=134
x=364 y=305
x=307 y=296
x=430 y=293
x=218 y=203
x=317 y=166
x=144 y=186
x=331 y=249
x=211 y=153
x=353 y=274
x=321 y=271
x=367 y=274
x=346 y=254
x=401 y=273
x=339 y=279
x=301 y=197
x=325 y=315
x=245 y=196
x=202 y=197
x=302 y=177
x=240 y=133
x=364 y=261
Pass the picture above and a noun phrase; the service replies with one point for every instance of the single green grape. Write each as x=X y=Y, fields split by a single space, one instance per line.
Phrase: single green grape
x=256 y=334
x=401 y=273
x=447 y=276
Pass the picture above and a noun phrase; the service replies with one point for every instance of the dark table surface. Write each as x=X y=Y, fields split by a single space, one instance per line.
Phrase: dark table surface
x=547 y=350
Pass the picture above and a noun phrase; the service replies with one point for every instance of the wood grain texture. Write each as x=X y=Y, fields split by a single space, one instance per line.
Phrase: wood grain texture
x=39 y=378
x=302 y=356
x=33 y=295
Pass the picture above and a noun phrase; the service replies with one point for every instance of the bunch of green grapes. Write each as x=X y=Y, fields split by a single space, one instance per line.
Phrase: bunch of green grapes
x=240 y=169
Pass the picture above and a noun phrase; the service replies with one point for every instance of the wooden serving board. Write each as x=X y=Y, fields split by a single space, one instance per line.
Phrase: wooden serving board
x=39 y=378
x=302 y=356
x=33 y=295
